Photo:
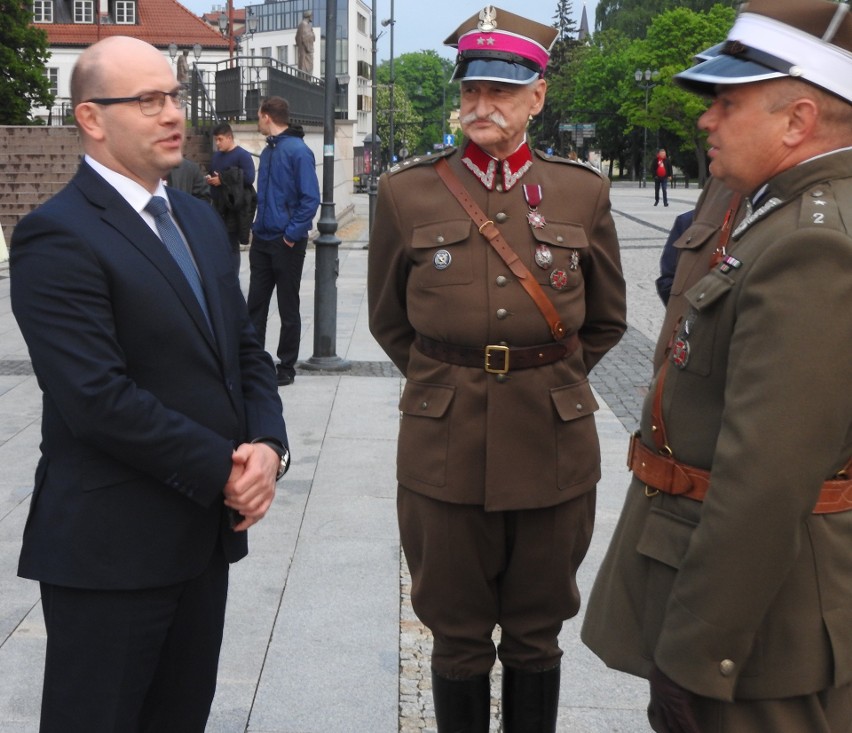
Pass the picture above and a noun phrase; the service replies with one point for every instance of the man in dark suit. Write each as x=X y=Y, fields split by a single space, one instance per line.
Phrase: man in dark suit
x=162 y=430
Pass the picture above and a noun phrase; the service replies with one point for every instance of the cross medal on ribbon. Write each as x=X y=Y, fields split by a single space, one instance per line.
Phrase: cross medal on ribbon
x=533 y=195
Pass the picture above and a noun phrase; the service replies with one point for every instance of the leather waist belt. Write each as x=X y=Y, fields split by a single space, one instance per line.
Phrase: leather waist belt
x=497 y=358
x=664 y=473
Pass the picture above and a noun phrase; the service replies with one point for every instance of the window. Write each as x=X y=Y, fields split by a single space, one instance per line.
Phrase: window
x=84 y=11
x=125 y=12
x=52 y=74
x=362 y=23
x=42 y=11
x=266 y=52
x=282 y=55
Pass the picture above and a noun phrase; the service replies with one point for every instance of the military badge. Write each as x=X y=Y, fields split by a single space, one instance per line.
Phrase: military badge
x=729 y=263
x=559 y=279
x=442 y=259
x=543 y=257
x=680 y=347
x=680 y=352
x=487 y=19
x=574 y=260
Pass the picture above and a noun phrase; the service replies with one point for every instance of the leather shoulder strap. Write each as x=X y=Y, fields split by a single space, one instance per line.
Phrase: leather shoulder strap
x=488 y=230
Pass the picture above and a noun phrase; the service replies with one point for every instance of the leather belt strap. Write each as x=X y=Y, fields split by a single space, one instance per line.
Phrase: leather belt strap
x=497 y=358
x=663 y=473
x=488 y=230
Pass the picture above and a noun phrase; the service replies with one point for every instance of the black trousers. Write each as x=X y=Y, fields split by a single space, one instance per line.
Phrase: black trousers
x=133 y=661
x=275 y=266
x=658 y=184
x=472 y=570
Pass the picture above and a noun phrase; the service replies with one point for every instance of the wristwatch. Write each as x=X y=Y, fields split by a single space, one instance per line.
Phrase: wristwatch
x=283 y=455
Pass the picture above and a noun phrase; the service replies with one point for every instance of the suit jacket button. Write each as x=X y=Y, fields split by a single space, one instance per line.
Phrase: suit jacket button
x=502 y=313
x=501 y=217
x=501 y=281
x=727 y=667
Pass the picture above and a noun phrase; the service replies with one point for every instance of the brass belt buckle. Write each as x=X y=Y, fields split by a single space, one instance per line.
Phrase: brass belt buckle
x=489 y=350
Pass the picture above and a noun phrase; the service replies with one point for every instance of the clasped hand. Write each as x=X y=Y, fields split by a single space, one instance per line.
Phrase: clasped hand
x=251 y=485
x=670 y=710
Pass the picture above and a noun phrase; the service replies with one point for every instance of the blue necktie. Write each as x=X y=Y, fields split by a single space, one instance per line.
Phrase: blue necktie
x=175 y=245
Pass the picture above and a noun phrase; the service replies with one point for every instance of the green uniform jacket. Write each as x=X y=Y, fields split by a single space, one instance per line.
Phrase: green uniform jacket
x=748 y=595
x=467 y=436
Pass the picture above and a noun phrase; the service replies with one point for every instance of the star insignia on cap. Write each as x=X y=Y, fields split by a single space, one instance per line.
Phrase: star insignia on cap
x=489 y=41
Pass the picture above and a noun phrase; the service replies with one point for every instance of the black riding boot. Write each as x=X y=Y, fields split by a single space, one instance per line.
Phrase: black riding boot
x=462 y=706
x=530 y=701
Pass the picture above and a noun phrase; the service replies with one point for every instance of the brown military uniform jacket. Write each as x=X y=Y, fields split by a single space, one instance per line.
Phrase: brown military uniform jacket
x=696 y=249
x=748 y=595
x=528 y=439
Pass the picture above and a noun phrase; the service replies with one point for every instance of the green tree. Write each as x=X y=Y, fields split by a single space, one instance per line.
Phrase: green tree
x=423 y=79
x=23 y=54
x=673 y=39
x=544 y=129
x=407 y=123
x=598 y=86
x=633 y=17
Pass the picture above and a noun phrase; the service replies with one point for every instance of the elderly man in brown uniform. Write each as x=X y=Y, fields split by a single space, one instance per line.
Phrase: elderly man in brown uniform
x=495 y=285
x=728 y=583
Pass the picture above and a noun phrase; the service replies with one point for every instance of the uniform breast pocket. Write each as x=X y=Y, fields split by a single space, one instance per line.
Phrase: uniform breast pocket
x=556 y=259
x=693 y=349
x=690 y=248
x=442 y=254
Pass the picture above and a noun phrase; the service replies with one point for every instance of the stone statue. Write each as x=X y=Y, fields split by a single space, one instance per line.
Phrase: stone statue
x=305 y=43
x=182 y=72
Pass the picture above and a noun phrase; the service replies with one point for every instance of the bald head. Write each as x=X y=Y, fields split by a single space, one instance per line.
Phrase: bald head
x=108 y=62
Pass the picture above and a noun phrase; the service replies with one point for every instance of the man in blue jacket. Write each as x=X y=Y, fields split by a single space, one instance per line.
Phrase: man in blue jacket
x=287 y=201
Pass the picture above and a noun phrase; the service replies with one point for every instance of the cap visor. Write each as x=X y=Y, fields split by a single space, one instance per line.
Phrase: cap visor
x=493 y=70
x=723 y=69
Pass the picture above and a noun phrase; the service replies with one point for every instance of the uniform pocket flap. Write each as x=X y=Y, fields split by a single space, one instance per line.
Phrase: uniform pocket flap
x=665 y=537
x=440 y=233
x=708 y=290
x=695 y=236
x=573 y=401
x=426 y=400
x=562 y=234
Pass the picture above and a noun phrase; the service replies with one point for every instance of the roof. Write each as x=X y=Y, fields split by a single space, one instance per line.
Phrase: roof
x=159 y=22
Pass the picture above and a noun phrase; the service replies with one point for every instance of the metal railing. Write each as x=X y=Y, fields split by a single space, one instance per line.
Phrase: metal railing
x=233 y=89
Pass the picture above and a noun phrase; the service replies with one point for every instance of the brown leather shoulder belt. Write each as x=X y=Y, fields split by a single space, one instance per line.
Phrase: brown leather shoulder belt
x=497 y=358
x=492 y=234
x=664 y=473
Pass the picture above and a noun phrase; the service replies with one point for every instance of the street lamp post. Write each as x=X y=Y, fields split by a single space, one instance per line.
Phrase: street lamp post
x=327 y=243
x=644 y=80
x=390 y=22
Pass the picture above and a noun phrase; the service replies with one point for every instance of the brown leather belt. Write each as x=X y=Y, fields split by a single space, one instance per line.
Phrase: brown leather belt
x=497 y=358
x=664 y=473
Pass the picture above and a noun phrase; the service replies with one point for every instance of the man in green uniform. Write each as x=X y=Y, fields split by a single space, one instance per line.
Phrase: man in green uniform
x=498 y=454
x=728 y=583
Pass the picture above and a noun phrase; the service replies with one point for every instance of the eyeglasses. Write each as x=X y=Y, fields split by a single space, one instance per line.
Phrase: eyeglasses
x=150 y=103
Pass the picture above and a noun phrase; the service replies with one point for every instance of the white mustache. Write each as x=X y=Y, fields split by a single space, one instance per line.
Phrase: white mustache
x=494 y=117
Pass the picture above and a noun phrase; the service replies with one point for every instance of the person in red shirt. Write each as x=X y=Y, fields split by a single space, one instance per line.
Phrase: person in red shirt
x=662 y=175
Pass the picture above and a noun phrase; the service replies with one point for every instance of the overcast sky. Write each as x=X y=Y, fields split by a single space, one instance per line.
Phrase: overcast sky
x=424 y=25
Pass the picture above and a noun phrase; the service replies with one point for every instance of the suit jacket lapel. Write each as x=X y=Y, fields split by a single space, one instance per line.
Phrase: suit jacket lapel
x=118 y=214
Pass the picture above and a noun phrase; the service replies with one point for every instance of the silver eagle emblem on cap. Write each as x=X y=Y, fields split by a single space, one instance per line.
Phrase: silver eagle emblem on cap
x=487 y=19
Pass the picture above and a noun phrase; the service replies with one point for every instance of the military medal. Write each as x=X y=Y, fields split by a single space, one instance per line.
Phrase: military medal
x=559 y=279
x=543 y=256
x=574 y=260
x=442 y=259
x=680 y=347
x=680 y=353
x=533 y=195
